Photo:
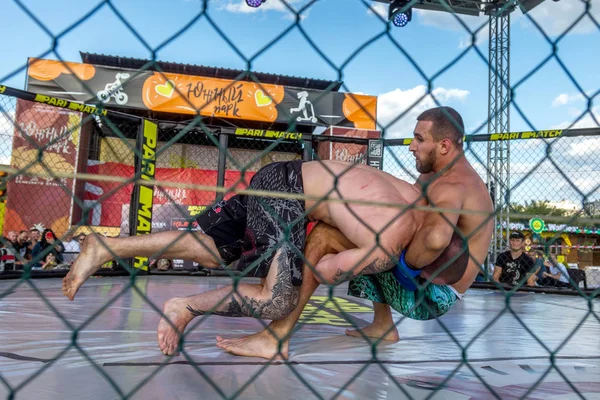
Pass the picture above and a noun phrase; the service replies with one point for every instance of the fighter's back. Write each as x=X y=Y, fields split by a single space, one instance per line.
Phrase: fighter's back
x=337 y=180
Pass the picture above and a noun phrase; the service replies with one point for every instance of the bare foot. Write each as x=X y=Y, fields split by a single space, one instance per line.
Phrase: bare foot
x=92 y=256
x=384 y=332
x=262 y=344
x=168 y=337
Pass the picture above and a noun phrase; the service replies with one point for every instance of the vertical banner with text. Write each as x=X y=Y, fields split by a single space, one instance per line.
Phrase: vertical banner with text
x=42 y=194
x=143 y=194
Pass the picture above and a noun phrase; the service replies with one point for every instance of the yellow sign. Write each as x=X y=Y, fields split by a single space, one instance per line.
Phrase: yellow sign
x=326 y=311
x=547 y=134
x=146 y=193
x=537 y=225
x=71 y=105
x=262 y=133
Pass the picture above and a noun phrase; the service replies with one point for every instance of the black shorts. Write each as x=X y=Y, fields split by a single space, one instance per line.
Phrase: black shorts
x=252 y=229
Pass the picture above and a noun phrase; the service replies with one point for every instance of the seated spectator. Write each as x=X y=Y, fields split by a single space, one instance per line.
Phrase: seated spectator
x=7 y=255
x=556 y=274
x=12 y=237
x=514 y=267
x=538 y=264
x=72 y=247
x=22 y=248
x=34 y=236
x=49 y=243
x=49 y=262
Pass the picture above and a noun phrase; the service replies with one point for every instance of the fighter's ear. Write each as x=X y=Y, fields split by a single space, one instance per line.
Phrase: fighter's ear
x=445 y=146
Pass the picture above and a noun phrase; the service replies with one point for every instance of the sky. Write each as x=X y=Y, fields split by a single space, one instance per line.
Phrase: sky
x=546 y=96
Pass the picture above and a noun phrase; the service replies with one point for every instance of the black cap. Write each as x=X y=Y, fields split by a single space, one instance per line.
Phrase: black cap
x=516 y=235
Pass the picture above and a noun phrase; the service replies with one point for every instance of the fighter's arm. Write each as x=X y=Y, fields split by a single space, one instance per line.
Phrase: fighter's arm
x=335 y=269
x=437 y=229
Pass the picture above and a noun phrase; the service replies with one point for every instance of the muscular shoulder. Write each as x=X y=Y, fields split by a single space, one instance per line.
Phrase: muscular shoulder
x=443 y=190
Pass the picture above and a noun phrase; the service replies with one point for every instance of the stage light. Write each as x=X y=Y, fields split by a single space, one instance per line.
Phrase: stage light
x=254 y=3
x=399 y=13
x=400 y=19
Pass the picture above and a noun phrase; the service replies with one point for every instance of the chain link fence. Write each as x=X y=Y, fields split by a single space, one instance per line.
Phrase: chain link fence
x=85 y=168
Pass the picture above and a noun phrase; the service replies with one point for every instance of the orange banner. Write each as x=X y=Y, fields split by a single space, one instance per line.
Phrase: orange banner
x=207 y=96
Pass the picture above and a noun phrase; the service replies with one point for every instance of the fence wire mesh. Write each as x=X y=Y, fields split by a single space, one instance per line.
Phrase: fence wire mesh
x=91 y=172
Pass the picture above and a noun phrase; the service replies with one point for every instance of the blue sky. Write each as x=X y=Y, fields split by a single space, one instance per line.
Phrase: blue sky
x=338 y=27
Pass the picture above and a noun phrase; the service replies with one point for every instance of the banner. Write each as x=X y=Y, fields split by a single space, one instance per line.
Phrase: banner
x=169 y=217
x=42 y=202
x=108 y=211
x=187 y=94
x=143 y=194
x=349 y=152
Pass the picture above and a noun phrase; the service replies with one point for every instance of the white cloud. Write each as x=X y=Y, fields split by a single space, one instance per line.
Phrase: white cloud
x=585 y=147
x=560 y=100
x=591 y=119
x=555 y=17
x=392 y=104
x=565 y=98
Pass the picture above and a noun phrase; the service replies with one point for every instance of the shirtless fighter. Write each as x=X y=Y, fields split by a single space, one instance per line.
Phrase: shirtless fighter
x=448 y=181
x=267 y=237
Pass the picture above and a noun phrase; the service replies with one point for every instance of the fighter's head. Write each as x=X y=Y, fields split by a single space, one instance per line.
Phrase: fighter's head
x=438 y=138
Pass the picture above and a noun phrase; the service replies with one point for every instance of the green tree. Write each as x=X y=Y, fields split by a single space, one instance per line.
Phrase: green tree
x=539 y=208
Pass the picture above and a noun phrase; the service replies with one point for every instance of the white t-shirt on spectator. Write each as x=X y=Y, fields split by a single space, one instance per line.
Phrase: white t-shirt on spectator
x=564 y=274
x=72 y=250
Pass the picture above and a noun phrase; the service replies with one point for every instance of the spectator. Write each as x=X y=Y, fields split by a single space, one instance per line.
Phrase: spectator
x=72 y=247
x=49 y=262
x=7 y=255
x=513 y=267
x=22 y=248
x=556 y=274
x=538 y=264
x=49 y=240
x=34 y=235
x=12 y=237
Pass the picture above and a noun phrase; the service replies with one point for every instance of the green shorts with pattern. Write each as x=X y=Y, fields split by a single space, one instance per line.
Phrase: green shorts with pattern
x=431 y=302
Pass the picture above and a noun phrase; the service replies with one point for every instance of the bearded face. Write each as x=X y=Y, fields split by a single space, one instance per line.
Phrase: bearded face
x=425 y=163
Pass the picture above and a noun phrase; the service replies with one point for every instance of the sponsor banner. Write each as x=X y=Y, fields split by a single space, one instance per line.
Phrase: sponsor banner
x=268 y=134
x=169 y=217
x=186 y=94
x=547 y=134
x=108 y=211
x=45 y=202
x=349 y=152
x=143 y=194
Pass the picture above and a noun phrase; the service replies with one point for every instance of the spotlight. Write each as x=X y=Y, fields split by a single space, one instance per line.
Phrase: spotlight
x=254 y=3
x=400 y=19
x=399 y=12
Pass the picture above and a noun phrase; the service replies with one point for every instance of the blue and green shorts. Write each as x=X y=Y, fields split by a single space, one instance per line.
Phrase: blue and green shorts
x=431 y=302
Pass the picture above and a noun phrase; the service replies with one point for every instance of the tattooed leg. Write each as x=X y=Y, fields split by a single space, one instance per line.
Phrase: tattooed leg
x=382 y=264
x=273 y=300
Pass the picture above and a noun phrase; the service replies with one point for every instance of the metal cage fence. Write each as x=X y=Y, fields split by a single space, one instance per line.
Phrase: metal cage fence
x=543 y=172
